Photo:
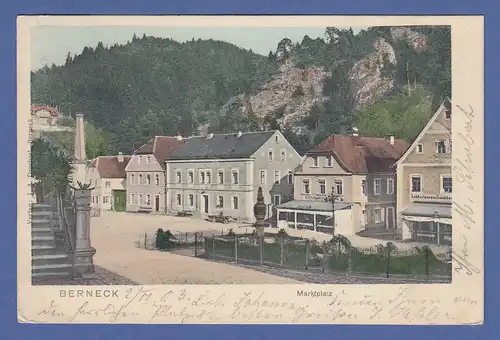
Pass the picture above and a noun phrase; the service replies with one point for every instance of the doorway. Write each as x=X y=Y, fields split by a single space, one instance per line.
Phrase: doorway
x=390 y=218
x=276 y=202
x=119 y=200
x=205 y=204
x=157 y=203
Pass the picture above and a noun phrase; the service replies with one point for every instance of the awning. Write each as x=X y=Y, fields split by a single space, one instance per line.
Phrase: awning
x=313 y=205
x=427 y=219
x=425 y=212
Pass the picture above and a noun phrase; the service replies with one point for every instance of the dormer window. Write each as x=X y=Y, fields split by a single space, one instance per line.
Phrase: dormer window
x=447 y=114
x=329 y=161
x=315 y=161
x=440 y=146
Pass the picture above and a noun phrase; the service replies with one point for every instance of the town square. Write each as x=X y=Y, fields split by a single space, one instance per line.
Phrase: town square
x=326 y=160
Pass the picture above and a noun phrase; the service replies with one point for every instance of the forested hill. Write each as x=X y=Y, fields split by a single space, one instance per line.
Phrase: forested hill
x=153 y=86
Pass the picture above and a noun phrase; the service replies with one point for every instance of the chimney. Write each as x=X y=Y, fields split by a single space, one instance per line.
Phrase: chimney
x=179 y=137
x=390 y=138
x=238 y=135
x=210 y=136
x=79 y=138
x=354 y=131
x=79 y=162
x=120 y=157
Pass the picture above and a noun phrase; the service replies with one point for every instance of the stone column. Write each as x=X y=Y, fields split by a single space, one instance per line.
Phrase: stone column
x=84 y=253
x=260 y=214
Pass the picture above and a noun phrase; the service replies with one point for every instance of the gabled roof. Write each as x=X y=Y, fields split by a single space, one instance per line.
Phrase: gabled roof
x=161 y=147
x=446 y=104
x=222 y=146
x=110 y=166
x=357 y=154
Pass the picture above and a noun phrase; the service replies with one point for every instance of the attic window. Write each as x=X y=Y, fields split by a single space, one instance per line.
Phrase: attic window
x=276 y=139
x=420 y=148
x=447 y=114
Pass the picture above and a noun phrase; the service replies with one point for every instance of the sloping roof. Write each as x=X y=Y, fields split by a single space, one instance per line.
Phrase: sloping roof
x=446 y=104
x=161 y=147
x=53 y=110
x=357 y=154
x=222 y=146
x=313 y=205
x=110 y=166
x=428 y=210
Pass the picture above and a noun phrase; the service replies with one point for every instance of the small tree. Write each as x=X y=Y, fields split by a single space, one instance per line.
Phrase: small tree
x=169 y=237
x=51 y=166
x=160 y=239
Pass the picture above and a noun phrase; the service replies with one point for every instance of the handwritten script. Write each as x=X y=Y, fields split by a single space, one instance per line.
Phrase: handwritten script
x=151 y=305
x=463 y=171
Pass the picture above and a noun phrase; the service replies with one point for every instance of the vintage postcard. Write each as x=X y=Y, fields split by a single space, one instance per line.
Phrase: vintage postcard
x=239 y=169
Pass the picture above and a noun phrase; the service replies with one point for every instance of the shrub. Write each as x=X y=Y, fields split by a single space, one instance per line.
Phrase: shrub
x=160 y=239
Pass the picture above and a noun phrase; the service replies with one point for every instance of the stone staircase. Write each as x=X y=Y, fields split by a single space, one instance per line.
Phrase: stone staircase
x=47 y=260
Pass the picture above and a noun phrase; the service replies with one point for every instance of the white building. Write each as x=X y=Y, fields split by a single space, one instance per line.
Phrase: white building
x=107 y=175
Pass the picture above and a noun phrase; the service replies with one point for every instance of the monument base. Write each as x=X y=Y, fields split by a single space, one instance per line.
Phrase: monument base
x=83 y=263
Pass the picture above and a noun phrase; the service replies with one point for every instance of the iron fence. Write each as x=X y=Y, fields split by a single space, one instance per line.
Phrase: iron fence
x=295 y=253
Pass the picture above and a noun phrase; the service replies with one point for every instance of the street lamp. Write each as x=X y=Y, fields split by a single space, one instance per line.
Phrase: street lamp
x=333 y=197
x=436 y=221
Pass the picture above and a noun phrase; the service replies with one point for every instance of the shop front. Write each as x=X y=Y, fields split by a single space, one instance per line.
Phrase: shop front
x=427 y=223
x=315 y=216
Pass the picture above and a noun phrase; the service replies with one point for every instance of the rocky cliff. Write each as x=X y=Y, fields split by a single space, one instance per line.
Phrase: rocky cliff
x=291 y=94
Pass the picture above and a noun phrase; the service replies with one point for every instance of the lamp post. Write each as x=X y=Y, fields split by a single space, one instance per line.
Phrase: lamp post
x=333 y=197
x=436 y=221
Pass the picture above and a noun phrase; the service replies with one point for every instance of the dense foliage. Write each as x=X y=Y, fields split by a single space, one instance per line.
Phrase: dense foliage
x=97 y=141
x=153 y=86
x=403 y=115
x=51 y=166
x=174 y=84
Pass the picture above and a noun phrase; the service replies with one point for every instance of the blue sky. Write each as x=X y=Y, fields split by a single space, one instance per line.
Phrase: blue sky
x=50 y=44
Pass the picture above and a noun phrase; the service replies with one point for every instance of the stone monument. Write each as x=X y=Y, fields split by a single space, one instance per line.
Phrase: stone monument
x=259 y=211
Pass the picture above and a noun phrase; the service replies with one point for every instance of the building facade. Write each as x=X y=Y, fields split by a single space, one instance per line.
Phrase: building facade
x=107 y=175
x=357 y=173
x=221 y=173
x=145 y=174
x=44 y=115
x=425 y=182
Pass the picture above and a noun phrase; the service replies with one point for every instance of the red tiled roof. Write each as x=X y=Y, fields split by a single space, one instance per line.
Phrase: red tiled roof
x=161 y=147
x=53 y=110
x=110 y=167
x=358 y=154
